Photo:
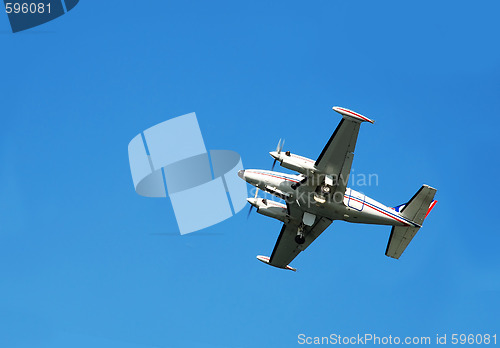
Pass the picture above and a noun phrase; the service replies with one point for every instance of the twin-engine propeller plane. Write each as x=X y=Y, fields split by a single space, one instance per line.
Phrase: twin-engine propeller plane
x=319 y=195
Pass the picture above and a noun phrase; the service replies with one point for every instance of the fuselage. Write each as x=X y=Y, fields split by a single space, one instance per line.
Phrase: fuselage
x=351 y=206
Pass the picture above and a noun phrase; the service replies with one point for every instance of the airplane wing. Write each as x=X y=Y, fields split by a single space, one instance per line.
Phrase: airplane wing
x=336 y=158
x=286 y=249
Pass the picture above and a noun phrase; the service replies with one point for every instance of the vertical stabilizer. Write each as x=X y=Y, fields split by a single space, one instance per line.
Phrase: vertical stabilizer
x=415 y=210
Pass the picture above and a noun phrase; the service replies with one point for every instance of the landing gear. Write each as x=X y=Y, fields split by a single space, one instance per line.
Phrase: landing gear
x=327 y=186
x=322 y=193
x=300 y=237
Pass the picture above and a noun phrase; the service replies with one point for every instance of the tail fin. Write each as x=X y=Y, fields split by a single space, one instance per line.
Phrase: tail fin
x=419 y=205
x=430 y=208
x=415 y=210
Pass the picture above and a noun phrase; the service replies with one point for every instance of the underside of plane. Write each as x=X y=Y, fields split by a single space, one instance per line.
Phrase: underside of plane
x=318 y=195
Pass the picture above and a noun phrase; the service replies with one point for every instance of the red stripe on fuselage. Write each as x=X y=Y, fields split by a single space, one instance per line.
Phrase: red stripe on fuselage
x=380 y=211
x=303 y=158
x=274 y=176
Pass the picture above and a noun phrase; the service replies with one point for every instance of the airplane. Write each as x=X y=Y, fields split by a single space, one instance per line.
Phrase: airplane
x=318 y=195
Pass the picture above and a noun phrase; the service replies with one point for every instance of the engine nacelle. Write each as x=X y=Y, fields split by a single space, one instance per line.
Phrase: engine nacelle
x=269 y=208
x=294 y=162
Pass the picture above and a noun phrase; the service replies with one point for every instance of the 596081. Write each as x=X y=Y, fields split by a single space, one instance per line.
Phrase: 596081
x=26 y=7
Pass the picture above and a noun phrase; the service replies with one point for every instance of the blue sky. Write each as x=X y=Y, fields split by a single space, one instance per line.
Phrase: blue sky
x=85 y=261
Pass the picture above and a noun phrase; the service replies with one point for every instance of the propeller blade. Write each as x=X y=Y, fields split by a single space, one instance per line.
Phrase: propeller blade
x=282 y=144
x=249 y=211
x=251 y=206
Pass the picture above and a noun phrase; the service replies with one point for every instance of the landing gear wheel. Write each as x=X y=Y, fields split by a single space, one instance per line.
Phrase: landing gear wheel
x=299 y=239
x=325 y=189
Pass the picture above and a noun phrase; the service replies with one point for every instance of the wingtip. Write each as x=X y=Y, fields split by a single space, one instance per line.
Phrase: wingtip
x=266 y=260
x=351 y=114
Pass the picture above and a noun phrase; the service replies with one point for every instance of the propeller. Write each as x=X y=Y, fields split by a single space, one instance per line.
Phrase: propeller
x=251 y=205
x=278 y=150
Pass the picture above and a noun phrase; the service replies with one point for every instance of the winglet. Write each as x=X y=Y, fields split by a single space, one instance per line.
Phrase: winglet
x=351 y=114
x=265 y=259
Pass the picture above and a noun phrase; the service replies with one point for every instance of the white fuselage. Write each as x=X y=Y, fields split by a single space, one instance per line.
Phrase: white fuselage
x=353 y=206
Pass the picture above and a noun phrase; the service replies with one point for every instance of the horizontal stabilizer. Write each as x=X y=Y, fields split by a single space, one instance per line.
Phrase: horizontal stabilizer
x=400 y=237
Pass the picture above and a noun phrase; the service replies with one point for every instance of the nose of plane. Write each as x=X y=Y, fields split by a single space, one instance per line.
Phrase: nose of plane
x=241 y=173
